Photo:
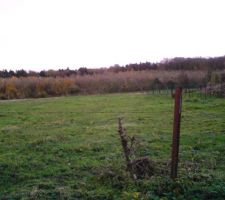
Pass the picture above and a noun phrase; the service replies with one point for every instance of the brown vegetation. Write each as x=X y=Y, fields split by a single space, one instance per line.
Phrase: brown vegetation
x=109 y=82
x=166 y=75
x=139 y=167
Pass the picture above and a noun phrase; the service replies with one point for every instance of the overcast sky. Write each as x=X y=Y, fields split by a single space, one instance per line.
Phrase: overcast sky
x=44 y=34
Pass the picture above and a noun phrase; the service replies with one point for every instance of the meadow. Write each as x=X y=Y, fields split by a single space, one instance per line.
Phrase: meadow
x=69 y=148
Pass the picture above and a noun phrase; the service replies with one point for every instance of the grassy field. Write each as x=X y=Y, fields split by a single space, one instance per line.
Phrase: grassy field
x=69 y=148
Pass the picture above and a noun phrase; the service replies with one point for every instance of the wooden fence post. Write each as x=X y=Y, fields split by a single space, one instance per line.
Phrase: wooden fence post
x=176 y=132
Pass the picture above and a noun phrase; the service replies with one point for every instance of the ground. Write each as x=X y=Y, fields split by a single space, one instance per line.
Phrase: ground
x=69 y=148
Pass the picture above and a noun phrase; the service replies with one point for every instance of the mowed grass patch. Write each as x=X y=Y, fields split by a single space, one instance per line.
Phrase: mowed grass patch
x=68 y=147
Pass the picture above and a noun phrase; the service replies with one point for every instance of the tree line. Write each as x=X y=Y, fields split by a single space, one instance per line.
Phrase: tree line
x=179 y=63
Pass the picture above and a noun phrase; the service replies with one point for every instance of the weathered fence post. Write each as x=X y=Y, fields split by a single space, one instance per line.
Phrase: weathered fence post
x=176 y=131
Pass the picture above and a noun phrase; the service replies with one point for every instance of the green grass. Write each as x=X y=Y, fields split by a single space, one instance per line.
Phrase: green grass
x=69 y=148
